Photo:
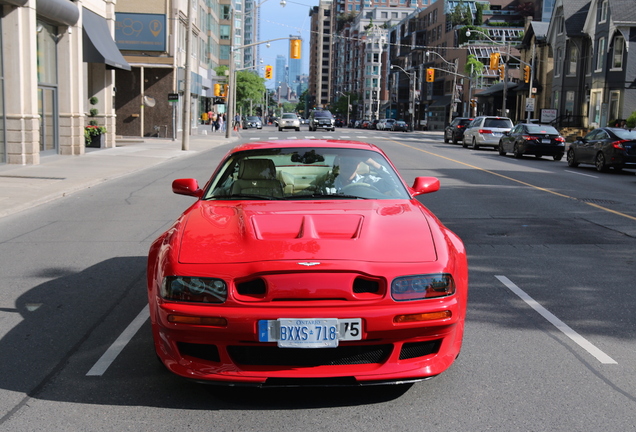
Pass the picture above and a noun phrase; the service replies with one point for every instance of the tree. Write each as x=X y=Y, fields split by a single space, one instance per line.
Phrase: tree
x=473 y=68
x=249 y=88
x=461 y=15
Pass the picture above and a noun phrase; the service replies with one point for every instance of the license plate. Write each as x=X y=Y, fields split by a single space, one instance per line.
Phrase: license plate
x=309 y=332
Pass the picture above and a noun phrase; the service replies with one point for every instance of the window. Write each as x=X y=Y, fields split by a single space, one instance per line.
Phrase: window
x=573 y=61
x=614 y=106
x=600 y=54
x=603 y=11
x=558 y=62
x=224 y=31
x=617 y=54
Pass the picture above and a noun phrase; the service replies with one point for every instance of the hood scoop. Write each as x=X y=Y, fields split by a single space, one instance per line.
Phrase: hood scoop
x=294 y=226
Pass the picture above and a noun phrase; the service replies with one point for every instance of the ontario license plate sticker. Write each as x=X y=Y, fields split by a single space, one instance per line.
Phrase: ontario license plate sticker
x=309 y=332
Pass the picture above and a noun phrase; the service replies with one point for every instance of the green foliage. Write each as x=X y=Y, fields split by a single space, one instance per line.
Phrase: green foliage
x=631 y=120
x=250 y=88
x=340 y=106
x=93 y=112
x=479 y=14
x=473 y=67
x=461 y=15
x=93 y=100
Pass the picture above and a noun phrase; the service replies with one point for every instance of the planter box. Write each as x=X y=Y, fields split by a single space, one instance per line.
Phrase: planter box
x=97 y=141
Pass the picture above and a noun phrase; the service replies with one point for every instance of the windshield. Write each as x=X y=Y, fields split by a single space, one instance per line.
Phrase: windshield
x=322 y=114
x=252 y=118
x=290 y=116
x=306 y=173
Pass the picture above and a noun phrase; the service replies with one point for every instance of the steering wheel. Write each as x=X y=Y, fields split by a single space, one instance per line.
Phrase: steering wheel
x=363 y=190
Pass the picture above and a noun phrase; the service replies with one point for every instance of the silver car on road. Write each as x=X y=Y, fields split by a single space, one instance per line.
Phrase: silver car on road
x=486 y=131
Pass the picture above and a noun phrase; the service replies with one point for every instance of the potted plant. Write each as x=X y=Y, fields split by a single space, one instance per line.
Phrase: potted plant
x=93 y=133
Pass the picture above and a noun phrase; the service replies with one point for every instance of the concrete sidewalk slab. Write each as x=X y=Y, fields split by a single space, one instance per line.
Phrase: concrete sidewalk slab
x=26 y=186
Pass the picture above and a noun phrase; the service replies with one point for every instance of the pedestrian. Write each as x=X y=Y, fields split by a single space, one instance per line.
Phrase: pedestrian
x=237 y=121
x=213 y=120
x=209 y=119
x=221 y=122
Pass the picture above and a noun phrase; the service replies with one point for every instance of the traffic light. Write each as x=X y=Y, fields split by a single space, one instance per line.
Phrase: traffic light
x=223 y=92
x=502 y=72
x=494 y=61
x=430 y=75
x=526 y=73
x=217 y=89
x=294 y=48
x=269 y=72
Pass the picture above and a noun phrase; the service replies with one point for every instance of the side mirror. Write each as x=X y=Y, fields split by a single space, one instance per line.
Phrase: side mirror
x=187 y=186
x=424 y=185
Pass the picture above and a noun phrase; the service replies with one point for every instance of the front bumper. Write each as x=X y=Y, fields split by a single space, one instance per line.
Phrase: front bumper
x=387 y=352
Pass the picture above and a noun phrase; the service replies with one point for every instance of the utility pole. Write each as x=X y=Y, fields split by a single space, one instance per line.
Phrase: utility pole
x=185 y=135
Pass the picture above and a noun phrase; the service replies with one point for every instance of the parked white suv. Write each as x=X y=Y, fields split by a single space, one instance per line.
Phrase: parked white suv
x=486 y=131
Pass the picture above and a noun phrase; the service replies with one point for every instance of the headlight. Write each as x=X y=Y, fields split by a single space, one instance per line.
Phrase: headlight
x=194 y=289
x=420 y=287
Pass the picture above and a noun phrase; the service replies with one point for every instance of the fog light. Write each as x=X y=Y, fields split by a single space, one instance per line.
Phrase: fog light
x=429 y=316
x=193 y=320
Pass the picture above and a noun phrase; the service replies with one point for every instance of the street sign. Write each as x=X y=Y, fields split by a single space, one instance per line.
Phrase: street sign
x=548 y=115
x=173 y=97
x=530 y=104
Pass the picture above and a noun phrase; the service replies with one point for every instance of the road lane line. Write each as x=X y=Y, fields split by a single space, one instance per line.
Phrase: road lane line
x=581 y=174
x=113 y=351
x=563 y=327
x=519 y=181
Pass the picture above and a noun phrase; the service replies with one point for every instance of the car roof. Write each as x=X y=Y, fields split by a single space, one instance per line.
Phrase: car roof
x=309 y=143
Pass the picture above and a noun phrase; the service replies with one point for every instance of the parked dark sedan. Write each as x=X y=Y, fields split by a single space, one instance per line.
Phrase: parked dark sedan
x=534 y=139
x=604 y=148
x=455 y=130
x=252 y=122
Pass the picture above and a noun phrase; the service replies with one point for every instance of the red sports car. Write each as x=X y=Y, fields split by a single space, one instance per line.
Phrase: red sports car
x=307 y=262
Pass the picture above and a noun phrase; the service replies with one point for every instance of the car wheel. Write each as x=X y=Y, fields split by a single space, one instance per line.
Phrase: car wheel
x=518 y=153
x=599 y=162
x=558 y=157
x=454 y=139
x=464 y=143
x=502 y=152
x=446 y=140
x=571 y=159
x=475 y=145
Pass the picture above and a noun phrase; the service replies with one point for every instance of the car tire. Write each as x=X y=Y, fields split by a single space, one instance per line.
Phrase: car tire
x=475 y=146
x=571 y=158
x=599 y=162
x=446 y=140
x=454 y=139
x=518 y=154
x=464 y=143
x=558 y=157
x=502 y=152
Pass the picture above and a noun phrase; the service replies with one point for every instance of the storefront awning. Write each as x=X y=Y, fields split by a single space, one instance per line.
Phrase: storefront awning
x=59 y=12
x=99 y=46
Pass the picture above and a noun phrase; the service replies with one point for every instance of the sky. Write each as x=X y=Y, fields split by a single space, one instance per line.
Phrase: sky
x=279 y=22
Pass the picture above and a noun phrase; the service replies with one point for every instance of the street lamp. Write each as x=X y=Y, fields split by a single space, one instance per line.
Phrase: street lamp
x=505 y=80
x=454 y=65
x=412 y=77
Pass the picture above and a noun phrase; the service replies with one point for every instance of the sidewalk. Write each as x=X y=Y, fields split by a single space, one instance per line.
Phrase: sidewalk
x=26 y=186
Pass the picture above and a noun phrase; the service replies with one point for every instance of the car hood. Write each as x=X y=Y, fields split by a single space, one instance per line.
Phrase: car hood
x=370 y=230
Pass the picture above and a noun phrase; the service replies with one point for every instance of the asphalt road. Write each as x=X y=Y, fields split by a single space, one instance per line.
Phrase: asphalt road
x=550 y=341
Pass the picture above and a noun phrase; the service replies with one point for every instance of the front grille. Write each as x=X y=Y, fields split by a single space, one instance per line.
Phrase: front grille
x=419 y=349
x=202 y=351
x=302 y=357
x=253 y=287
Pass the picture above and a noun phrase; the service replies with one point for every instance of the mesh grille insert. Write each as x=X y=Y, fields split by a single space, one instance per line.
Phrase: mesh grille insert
x=342 y=355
